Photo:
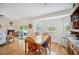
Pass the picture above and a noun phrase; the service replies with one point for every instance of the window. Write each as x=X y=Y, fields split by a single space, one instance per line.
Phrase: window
x=23 y=27
x=67 y=27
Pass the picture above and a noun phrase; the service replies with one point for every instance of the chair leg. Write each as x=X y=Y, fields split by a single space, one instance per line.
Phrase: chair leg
x=46 y=51
x=49 y=50
x=13 y=40
x=26 y=48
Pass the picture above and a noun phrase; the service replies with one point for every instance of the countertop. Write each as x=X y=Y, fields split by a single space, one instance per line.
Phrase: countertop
x=74 y=41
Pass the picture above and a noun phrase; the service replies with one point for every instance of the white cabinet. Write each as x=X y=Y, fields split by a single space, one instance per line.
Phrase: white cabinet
x=2 y=38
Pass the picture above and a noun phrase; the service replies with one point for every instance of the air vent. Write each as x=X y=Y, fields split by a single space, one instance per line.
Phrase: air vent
x=1 y=16
x=45 y=3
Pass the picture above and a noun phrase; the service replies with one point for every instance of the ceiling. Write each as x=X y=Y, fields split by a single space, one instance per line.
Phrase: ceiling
x=29 y=10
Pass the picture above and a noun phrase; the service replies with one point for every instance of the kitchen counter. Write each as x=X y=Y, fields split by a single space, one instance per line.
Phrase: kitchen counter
x=73 y=45
x=74 y=41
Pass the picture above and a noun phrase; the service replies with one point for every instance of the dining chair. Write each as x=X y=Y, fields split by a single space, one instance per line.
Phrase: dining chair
x=32 y=48
x=10 y=37
x=47 y=44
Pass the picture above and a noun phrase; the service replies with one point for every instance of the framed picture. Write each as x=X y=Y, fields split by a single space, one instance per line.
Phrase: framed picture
x=52 y=29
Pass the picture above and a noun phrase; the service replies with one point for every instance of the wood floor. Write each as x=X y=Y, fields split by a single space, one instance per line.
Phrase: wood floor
x=11 y=49
x=14 y=49
x=59 y=49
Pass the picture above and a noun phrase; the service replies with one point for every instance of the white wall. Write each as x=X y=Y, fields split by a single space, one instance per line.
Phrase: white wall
x=58 y=23
x=23 y=22
x=4 y=21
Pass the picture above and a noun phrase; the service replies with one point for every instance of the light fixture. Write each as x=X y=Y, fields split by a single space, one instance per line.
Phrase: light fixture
x=1 y=15
x=11 y=23
x=45 y=3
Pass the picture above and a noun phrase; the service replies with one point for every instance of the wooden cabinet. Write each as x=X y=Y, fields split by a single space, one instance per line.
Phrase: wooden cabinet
x=75 y=22
x=76 y=33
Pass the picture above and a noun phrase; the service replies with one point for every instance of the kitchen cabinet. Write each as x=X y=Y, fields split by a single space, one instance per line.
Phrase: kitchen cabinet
x=75 y=22
x=2 y=38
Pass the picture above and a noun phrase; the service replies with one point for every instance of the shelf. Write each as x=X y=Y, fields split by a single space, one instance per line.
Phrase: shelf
x=75 y=30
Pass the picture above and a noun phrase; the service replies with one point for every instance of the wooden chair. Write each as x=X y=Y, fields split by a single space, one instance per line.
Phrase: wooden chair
x=10 y=37
x=47 y=44
x=33 y=48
